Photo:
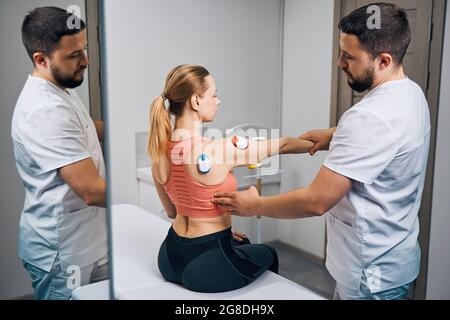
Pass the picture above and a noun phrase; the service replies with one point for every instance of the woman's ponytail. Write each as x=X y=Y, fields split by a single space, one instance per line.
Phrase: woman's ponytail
x=160 y=129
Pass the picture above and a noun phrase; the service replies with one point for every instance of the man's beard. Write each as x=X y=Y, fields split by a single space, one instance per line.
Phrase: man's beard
x=361 y=84
x=64 y=80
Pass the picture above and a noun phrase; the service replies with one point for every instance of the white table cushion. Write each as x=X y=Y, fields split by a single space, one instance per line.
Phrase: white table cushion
x=269 y=286
x=93 y=291
x=137 y=235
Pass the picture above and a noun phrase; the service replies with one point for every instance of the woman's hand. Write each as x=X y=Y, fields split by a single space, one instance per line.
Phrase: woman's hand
x=238 y=236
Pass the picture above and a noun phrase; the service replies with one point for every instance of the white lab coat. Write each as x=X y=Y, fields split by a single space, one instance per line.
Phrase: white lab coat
x=51 y=129
x=382 y=144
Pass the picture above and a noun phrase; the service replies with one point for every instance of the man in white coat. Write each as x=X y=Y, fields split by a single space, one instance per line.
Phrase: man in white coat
x=62 y=237
x=371 y=183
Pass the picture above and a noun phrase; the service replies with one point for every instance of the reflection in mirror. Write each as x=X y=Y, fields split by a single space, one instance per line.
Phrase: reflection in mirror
x=54 y=163
x=161 y=218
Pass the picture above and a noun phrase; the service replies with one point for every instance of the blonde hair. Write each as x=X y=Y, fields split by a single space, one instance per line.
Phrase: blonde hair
x=181 y=84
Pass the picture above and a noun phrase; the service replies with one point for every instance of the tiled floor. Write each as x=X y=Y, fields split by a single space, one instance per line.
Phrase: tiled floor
x=298 y=267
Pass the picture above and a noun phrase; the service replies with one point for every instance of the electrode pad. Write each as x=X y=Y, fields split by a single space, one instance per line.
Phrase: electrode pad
x=203 y=164
x=240 y=142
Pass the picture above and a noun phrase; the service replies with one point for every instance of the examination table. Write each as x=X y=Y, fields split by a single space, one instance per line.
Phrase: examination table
x=137 y=235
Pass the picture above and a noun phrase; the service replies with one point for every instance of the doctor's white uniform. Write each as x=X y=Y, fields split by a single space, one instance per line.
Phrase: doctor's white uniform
x=60 y=236
x=382 y=144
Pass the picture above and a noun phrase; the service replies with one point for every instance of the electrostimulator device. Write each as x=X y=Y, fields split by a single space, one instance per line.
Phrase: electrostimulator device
x=203 y=164
x=240 y=142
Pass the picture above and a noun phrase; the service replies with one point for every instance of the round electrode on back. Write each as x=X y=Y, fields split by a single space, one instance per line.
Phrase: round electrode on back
x=240 y=142
x=203 y=164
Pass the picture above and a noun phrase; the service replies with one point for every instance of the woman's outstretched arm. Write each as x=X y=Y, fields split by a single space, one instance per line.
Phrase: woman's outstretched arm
x=289 y=145
x=249 y=151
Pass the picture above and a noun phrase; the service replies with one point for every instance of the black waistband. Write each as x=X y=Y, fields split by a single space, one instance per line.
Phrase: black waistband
x=201 y=239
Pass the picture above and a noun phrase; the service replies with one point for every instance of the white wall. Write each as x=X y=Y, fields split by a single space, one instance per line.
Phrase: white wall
x=15 y=65
x=237 y=41
x=307 y=68
x=438 y=282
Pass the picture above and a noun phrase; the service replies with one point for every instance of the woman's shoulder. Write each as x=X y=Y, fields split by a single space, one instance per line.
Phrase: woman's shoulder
x=207 y=163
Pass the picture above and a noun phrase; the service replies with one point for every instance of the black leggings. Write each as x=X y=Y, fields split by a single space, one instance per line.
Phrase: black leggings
x=214 y=262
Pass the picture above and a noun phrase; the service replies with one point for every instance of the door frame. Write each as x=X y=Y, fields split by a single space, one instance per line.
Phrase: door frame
x=95 y=85
x=432 y=95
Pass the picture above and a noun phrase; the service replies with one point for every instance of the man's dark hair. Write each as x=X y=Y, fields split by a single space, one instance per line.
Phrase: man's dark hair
x=393 y=36
x=43 y=28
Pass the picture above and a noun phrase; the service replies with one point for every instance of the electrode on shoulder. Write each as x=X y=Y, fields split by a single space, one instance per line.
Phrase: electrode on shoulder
x=240 y=142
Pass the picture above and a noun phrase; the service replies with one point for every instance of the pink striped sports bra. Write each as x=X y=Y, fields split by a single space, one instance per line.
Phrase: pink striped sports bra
x=190 y=197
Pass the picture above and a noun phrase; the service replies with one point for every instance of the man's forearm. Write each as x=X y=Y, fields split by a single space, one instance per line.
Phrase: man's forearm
x=291 y=205
x=322 y=194
x=96 y=194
